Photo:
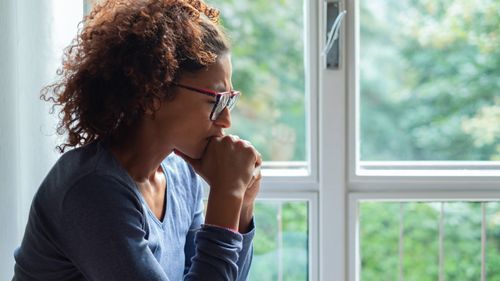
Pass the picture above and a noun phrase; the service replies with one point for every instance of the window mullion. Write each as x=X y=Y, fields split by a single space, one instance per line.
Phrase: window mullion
x=483 y=241
x=401 y=241
x=441 y=242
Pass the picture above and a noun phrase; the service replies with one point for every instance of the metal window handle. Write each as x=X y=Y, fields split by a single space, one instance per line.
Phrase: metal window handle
x=334 y=20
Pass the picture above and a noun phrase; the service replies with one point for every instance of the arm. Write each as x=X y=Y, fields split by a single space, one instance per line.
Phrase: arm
x=245 y=253
x=227 y=165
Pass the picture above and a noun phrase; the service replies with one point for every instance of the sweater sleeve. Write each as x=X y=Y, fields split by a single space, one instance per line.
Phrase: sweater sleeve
x=229 y=262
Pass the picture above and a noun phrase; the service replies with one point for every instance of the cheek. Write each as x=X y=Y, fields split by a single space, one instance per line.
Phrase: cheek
x=195 y=130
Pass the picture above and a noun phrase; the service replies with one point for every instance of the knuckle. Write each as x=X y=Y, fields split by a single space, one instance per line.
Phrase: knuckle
x=247 y=143
x=227 y=139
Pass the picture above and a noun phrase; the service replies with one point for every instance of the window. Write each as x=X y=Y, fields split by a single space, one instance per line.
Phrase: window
x=281 y=243
x=429 y=240
x=428 y=81
x=423 y=171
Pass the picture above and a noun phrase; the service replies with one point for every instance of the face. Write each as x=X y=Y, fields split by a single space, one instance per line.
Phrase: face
x=185 y=120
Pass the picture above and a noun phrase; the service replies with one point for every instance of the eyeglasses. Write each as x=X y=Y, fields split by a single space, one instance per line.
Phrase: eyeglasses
x=222 y=99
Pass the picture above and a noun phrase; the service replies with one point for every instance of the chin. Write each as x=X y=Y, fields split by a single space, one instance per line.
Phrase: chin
x=196 y=155
x=193 y=152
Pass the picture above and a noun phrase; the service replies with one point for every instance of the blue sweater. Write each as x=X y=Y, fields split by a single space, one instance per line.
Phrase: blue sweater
x=88 y=221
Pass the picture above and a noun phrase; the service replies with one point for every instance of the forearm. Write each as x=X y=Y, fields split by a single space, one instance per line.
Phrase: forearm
x=224 y=210
x=245 y=219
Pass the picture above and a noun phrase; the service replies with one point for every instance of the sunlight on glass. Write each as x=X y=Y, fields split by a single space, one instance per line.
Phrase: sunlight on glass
x=429 y=80
x=268 y=68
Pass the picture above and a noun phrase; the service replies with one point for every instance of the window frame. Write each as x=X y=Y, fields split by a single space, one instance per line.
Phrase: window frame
x=399 y=181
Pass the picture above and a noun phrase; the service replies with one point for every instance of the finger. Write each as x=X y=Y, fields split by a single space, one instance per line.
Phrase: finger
x=256 y=172
x=258 y=156
x=250 y=184
x=254 y=181
x=258 y=162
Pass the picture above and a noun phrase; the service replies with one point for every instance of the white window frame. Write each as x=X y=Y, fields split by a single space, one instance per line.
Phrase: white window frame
x=394 y=181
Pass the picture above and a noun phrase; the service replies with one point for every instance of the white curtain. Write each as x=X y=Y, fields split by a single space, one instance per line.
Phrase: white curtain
x=33 y=35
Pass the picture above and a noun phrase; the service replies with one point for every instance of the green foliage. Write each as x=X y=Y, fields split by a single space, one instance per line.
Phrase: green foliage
x=430 y=80
x=268 y=68
x=380 y=226
x=281 y=241
x=379 y=238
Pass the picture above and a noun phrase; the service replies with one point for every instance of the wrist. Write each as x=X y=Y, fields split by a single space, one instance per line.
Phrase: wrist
x=246 y=216
x=224 y=209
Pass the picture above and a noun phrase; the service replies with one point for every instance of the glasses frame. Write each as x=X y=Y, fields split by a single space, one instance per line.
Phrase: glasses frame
x=218 y=97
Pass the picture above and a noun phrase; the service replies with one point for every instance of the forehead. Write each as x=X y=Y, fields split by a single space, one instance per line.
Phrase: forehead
x=216 y=76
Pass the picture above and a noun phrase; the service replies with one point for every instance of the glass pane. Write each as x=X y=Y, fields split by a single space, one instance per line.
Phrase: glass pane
x=268 y=68
x=379 y=226
x=429 y=86
x=493 y=241
x=421 y=241
x=462 y=241
x=379 y=240
x=281 y=242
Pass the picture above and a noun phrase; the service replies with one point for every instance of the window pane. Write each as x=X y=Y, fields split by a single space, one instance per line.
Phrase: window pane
x=428 y=235
x=493 y=241
x=281 y=242
x=429 y=86
x=421 y=241
x=379 y=240
x=462 y=241
x=268 y=68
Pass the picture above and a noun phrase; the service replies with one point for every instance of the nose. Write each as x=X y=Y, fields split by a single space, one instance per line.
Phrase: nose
x=224 y=119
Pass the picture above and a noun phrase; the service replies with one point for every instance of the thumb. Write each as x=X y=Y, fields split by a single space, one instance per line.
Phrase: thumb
x=193 y=162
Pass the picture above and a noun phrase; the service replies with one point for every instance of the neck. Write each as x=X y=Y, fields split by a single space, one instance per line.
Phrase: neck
x=140 y=153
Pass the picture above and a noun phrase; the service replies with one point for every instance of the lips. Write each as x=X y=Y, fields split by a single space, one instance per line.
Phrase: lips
x=220 y=134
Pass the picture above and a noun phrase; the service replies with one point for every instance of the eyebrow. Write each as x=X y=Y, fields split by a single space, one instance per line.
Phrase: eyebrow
x=220 y=87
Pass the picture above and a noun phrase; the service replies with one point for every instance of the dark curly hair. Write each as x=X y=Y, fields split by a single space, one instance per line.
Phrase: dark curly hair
x=126 y=56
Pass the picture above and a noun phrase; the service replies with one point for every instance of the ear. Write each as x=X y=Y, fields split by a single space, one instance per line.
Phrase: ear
x=156 y=103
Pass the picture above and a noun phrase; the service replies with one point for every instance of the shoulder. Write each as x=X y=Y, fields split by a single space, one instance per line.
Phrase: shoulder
x=99 y=201
x=100 y=191
x=87 y=171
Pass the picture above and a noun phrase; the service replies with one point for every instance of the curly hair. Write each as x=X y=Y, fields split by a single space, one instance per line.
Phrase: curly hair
x=126 y=56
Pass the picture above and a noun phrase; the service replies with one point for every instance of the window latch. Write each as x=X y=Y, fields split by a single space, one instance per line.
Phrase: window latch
x=334 y=20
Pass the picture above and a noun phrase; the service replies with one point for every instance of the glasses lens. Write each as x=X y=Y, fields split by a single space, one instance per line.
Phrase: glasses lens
x=226 y=100
x=232 y=102
x=219 y=107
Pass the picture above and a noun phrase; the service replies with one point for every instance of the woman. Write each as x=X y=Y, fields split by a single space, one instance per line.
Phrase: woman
x=145 y=95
